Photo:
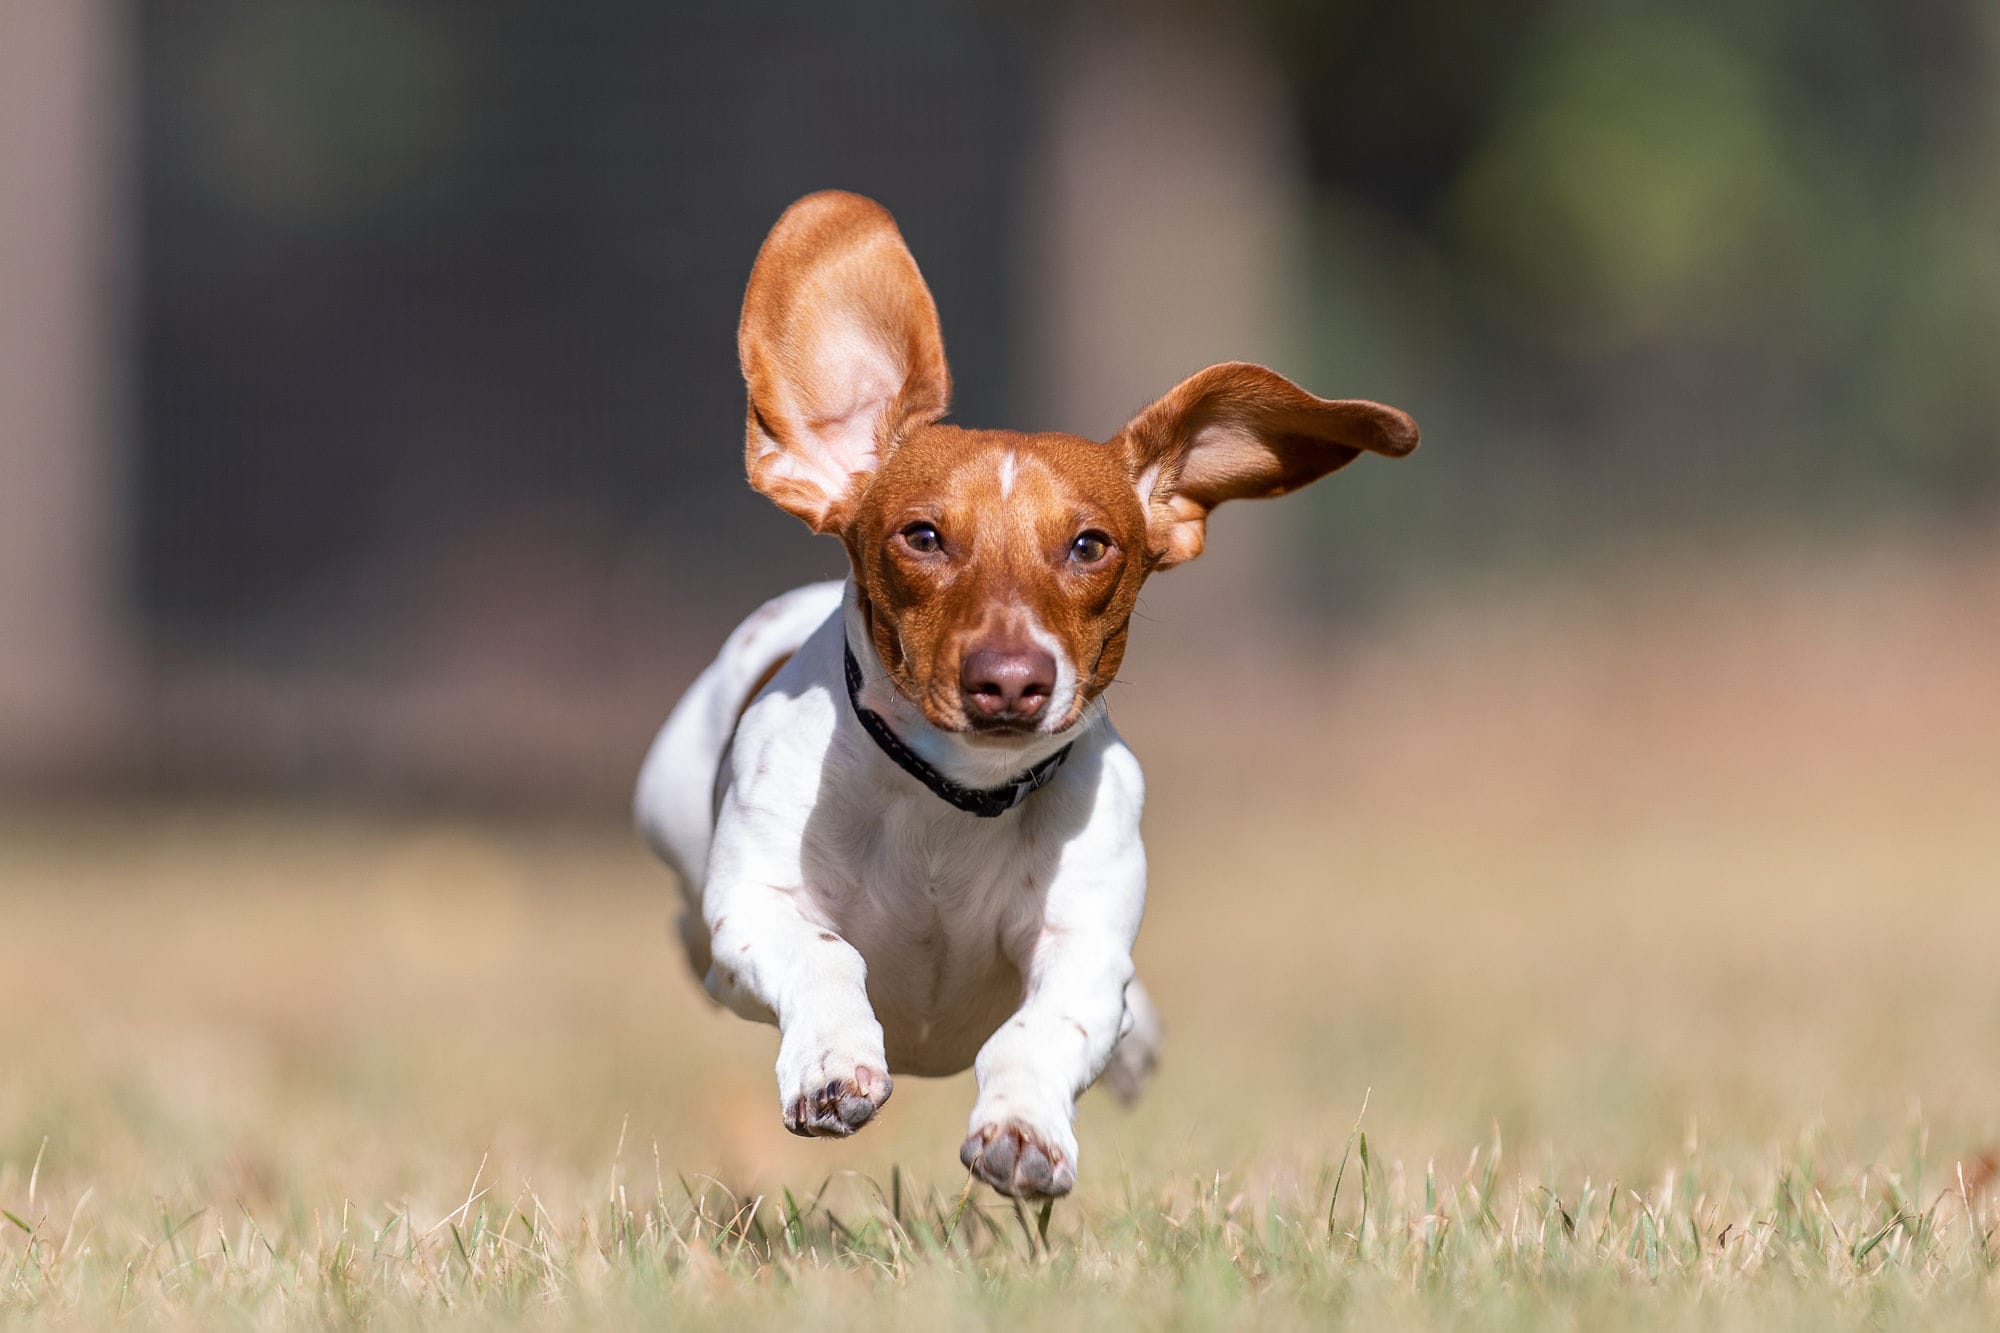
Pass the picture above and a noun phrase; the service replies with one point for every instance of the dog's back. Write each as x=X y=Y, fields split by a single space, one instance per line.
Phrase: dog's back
x=675 y=801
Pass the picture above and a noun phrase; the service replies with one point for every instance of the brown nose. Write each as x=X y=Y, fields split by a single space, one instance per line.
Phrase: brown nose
x=1006 y=683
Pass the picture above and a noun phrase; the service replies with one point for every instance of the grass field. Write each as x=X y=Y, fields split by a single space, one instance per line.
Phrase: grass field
x=1657 y=921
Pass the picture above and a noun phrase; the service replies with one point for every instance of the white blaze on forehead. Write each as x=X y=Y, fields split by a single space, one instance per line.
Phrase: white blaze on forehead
x=1008 y=462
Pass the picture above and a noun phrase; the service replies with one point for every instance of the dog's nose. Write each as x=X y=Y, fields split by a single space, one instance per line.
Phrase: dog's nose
x=1006 y=683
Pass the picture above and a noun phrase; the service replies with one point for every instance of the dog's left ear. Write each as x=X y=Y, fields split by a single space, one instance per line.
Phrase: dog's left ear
x=1241 y=432
x=841 y=354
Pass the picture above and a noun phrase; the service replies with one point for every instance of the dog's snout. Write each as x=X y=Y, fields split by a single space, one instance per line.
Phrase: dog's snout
x=1006 y=683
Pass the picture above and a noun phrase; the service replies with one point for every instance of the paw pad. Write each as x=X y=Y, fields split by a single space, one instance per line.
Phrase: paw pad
x=840 y=1106
x=1014 y=1160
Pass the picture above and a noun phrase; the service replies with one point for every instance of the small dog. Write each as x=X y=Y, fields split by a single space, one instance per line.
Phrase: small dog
x=905 y=828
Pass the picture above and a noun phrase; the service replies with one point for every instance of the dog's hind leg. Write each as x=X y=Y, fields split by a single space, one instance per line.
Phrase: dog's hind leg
x=1138 y=1048
x=694 y=938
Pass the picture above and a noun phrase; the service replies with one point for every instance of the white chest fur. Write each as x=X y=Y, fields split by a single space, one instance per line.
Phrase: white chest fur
x=882 y=929
x=943 y=907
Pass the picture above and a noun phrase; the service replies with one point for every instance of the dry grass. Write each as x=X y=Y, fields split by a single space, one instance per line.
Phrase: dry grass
x=1660 y=919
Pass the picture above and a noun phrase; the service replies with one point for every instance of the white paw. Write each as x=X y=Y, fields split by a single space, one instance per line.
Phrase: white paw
x=1021 y=1153
x=829 y=1091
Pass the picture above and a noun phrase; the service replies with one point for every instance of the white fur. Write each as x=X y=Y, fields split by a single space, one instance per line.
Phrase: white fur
x=1062 y=697
x=1000 y=943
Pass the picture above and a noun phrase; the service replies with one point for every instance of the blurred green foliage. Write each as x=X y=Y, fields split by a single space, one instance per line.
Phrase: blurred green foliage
x=1656 y=267
x=1643 y=271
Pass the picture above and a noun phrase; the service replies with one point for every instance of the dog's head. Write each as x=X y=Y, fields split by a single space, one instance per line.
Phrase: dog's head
x=997 y=570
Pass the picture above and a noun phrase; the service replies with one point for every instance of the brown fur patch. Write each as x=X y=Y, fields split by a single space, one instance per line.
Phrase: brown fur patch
x=1007 y=507
x=844 y=362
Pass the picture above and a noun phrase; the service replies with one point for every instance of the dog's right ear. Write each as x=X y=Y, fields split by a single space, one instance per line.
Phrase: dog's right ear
x=841 y=354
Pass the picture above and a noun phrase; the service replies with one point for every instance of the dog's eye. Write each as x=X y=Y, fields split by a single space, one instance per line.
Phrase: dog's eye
x=1089 y=547
x=922 y=538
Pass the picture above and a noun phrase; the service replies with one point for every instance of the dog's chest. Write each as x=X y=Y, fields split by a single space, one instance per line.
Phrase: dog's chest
x=930 y=897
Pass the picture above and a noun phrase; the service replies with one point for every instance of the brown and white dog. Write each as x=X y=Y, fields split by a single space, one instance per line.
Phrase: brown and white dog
x=905 y=828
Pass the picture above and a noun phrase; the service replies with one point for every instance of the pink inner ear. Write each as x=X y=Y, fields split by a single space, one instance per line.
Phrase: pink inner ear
x=836 y=420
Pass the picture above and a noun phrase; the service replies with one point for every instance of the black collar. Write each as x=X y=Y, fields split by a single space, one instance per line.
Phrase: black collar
x=988 y=804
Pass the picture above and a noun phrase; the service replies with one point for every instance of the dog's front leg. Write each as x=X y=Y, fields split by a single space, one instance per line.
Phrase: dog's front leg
x=1021 y=1137
x=1075 y=956
x=773 y=962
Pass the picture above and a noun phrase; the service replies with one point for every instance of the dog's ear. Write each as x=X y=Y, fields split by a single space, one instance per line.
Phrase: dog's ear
x=1239 y=432
x=841 y=354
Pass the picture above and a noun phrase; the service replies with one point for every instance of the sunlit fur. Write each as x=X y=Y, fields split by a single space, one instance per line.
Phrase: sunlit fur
x=830 y=891
x=1008 y=508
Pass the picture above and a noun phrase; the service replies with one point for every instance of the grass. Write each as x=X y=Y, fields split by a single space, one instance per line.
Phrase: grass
x=1692 y=1247
x=1653 y=924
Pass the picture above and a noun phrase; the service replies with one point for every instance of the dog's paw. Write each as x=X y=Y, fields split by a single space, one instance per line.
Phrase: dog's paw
x=1021 y=1160
x=839 y=1106
x=827 y=1095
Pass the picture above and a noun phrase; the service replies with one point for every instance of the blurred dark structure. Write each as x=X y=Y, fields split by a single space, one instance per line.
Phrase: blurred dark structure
x=465 y=376
x=370 y=419
x=431 y=279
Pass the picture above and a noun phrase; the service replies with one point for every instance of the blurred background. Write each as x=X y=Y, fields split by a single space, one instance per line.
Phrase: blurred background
x=370 y=424
x=1615 y=776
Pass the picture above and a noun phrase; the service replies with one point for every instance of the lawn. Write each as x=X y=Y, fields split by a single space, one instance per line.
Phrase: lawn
x=1656 y=922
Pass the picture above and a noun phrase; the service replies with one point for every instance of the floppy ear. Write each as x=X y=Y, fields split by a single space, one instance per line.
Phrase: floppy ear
x=1240 y=432
x=841 y=353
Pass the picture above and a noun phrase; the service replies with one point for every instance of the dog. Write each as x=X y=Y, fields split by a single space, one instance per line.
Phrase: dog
x=904 y=826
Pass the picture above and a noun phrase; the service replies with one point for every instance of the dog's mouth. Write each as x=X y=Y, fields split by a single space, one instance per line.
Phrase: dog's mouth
x=993 y=729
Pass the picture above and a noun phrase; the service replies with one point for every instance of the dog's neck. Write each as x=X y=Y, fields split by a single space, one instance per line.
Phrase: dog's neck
x=976 y=763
